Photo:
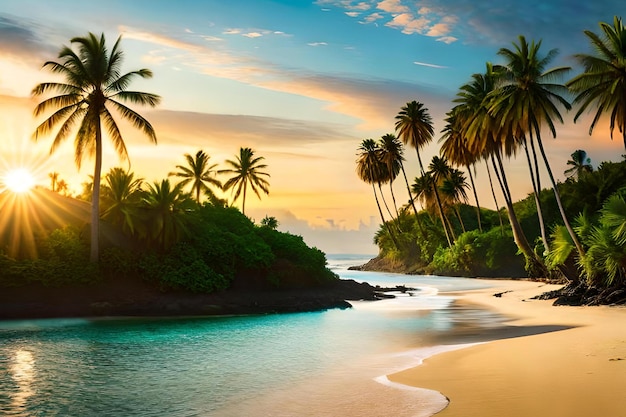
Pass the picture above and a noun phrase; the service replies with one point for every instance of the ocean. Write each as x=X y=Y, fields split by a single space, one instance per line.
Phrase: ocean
x=327 y=363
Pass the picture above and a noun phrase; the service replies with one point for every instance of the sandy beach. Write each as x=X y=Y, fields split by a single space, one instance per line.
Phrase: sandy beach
x=553 y=361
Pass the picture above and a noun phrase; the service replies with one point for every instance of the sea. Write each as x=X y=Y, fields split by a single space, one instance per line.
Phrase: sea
x=326 y=363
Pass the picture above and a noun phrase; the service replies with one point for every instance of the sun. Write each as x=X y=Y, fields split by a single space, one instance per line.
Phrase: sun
x=19 y=180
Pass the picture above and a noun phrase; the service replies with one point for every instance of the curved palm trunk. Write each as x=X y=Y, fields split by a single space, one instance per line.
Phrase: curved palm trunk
x=408 y=188
x=536 y=264
x=95 y=199
x=480 y=226
x=534 y=179
x=557 y=195
x=458 y=216
x=382 y=196
x=382 y=218
x=442 y=215
x=493 y=193
x=393 y=198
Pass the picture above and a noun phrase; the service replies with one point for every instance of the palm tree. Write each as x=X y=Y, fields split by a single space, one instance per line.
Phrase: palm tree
x=580 y=163
x=54 y=178
x=93 y=87
x=393 y=155
x=121 y=194
x=269 y=222
x=439 y=169
x=62 y=187
x=166 y=207
x=199 y=174
x=528 y=96
x=455 y=148
x=491 y=141
x=246 y=170
x=371 y=170
x=603 y=81
x=453 y=189
x=415 y=127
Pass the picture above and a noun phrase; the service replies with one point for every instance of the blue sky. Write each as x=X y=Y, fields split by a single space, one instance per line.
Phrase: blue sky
x=301 y=82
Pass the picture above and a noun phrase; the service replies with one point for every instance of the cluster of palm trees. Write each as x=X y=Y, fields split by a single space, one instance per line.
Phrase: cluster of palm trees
x=155 y=212
x=502 y=112
x=93 y=90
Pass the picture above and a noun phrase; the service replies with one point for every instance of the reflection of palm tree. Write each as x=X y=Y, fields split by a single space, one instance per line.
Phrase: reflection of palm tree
x=370 y=170
x=54 y=177
x=93 y=87
x=167 y=207
x=529 y=90
x=580 y=164
x=199 y=174
x=121 y=194
x=246 y=170
x=603 y=82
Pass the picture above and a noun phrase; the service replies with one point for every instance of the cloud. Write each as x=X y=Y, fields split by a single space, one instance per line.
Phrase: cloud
x=353 y=14
x=424 y=64
x=252 y=35
x=373 y=101
x=392 y=6
x=317 y=44
x=408 y=24
x=18 y=39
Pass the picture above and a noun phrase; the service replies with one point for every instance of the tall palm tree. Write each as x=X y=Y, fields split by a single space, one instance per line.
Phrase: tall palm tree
x=93 y=87
x=580 y=164
x=489 y=139
x=371 y=170
x=440 y=170
x=528 y=97
x=603 y=81
x=246 y=170
x=54 y=178
x=121 y=194
x=62 y=187
x=415 y=127
x=393 y=154
x=199 y=174
x=166 y=207
x=455 y=148
x=454 y=190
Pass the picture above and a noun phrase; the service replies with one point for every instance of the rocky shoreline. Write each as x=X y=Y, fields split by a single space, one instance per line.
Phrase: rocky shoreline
x=141 y=299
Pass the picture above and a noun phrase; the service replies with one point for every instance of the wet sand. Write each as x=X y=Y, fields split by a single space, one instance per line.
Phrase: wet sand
x=551 y=361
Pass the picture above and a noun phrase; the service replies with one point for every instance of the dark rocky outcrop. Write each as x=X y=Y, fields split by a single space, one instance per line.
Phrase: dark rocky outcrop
x=138 y=298
x=581 y=294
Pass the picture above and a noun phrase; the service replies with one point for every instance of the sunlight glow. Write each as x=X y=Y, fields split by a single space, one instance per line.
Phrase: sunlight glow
x=19 y=180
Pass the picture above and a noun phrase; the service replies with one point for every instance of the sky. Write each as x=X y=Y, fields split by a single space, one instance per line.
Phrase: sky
x=300 y=82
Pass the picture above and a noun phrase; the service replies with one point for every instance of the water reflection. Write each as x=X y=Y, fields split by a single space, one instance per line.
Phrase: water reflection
x=22 y=370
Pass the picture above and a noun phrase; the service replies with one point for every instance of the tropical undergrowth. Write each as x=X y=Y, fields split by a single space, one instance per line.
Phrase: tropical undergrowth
x=217 y=248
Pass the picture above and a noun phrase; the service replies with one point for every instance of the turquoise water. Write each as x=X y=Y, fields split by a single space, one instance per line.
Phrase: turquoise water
x=272 y=365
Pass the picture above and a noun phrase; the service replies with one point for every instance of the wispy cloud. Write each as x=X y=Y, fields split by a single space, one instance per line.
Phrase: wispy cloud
x=252 y=35
x=317 y=44
x=425 y=64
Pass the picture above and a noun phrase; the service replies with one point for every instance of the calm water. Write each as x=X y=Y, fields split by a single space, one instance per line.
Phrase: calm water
x=317 y=364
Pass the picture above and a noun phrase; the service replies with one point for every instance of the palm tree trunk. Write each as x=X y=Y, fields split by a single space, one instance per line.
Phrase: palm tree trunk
x=493 y=193
x=535 y=264
x=382 y=218
x=480 y=226
x=557 y=195
x=382 y=196
x=411 y=200
x=95 y=199
x=442 y=215
x=536 y=189
x=458 y=215
x=393 y=197
x=243 y=204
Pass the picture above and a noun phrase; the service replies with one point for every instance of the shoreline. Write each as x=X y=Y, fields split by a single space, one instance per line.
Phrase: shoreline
x=548 y=361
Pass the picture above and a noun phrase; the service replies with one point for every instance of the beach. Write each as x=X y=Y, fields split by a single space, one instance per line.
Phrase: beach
x=552 y=361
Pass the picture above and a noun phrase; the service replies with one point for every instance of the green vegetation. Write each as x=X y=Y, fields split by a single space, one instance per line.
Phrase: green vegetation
x=573 y=231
